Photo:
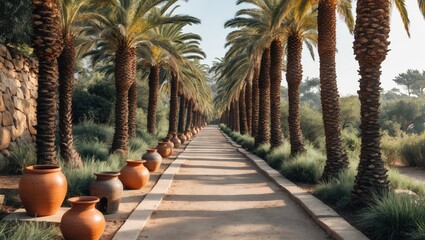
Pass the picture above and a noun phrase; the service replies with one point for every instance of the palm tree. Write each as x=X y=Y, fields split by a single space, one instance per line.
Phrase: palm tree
x=371 y=35
x=66 y=61
x=297 y=31
x=47 y=43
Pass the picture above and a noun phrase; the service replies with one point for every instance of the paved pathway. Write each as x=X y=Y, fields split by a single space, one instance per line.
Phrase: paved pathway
x=219 y=194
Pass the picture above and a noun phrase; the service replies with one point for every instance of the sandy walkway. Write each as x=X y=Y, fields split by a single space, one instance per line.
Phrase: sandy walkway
x=218 y=194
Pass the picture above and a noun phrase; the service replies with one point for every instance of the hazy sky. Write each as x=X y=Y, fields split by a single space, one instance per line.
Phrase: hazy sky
x=405 y=52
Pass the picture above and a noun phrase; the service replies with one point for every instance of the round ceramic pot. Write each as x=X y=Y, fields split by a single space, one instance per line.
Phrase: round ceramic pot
x=182 y=137
x=194 y=132
x=176 y=141
x=188 y=135
x=42 y=189
x=134 y=175
x=153 y=159
x=108 y=188
x=83 y=220
x=164 y=149
x=169 y=143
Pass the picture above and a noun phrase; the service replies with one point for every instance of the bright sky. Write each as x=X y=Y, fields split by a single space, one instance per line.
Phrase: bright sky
x=405 y=52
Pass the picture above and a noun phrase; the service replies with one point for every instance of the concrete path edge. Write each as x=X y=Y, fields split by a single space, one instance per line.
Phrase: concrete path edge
x=325 y=216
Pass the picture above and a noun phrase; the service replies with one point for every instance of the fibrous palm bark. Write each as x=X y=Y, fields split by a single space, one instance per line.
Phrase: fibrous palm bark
x=132 y=109
x=153 y=99
x=248 y=104
x=294 y=77
x=189 y=115
x=172 y=128
x=66 y=62
x=255 y=101
x=242 y=113
x=370 y=47
x=182 y=114
x=336 y=158
x=276 y=57
x=263 y=133
x=47 y=43
x=125 y=60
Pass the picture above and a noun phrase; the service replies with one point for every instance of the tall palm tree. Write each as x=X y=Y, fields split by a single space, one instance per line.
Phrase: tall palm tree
x=66 y=61
x=326 y=21
x=47 y=43
x=297 y=31
x=371 y=35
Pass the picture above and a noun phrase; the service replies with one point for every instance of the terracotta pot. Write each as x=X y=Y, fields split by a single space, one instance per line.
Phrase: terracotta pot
x=83 y=220
x=42 y=189
x=134 y=175
x=153 y=159
x=188 y=135
x=164 y=149
x=176 y=141
x=194 y=132
x=169 y=143
x=182 y=137
x=108 y=188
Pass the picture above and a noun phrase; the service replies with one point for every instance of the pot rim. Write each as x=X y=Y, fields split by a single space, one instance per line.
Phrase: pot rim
x=83 y=200
x=135 y=161
x=151 y=150
x=42 y=169
x=108 y=173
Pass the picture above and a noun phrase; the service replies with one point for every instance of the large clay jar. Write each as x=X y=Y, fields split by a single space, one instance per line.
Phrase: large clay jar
x=194 y=132
x=164 y=149
x=153 y=159
x=169 y=143
x=188 y=135
x=42 y=189
x=83 y=220
x=182 y=137
x=176 y=141
x=108 y=188
x=134 y=175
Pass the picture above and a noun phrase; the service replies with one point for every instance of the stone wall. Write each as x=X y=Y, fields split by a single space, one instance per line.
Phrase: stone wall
x=18 y=93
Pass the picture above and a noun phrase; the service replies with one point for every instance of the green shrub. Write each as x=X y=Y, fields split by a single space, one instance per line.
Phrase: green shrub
x=413 y=150
x=279 y=155
x=22 y=154
x=399 y=181
x=391 y=149
x=306 y=167
x=28 y=230
x=337 y=191
x=262 y=150
x=393 y=216
x=88 y=106
x=93 y=150
x=137 y=148
x=90 y=131
x=247 y=141
x=79 y=179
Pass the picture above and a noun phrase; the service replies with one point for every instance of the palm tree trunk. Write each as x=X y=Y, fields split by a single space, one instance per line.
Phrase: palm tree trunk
x=47 y=42
x=182 y=113
x=336 y=158
x=370 y=47
x=66 y=62
x=236 y=116
x=125 y=60
x=293 y=77
x=174 y=105
x=153 y=99
x=242 y=112
x=276 y=57
x=248 y=103
x=263 y=134
x=132 y=109
x=189 y=115
x=255 y=101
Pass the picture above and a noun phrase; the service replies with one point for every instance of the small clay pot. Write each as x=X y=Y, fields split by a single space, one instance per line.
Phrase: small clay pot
x=176 y=141
x=134 y=175
x=42 y=189
x=108 y=188
x=153 y=159
x=83 y=220
x=169 y=143
x=164 y=149
x=188 y=135
x=182 y=137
